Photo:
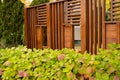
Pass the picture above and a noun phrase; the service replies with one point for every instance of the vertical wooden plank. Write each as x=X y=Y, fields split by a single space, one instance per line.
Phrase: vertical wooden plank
x=103 y=23
x=29 y=28
x=35 y=23
x=31 y=45
x=34 y=27
x=56 y=30
x=84 y=25
x=90 y=27
x=62 y=22
x=99 y=24
x=49 y=42
x=59 y=30
x=111 y=10
x=53 y=25
x=66 y=12
x=25 y=26
x=94 y=26
x=30 y=22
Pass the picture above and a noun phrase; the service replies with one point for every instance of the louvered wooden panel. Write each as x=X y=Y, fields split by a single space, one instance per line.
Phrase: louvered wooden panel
x=42 y=15
x=73 y=12
x=115 y=10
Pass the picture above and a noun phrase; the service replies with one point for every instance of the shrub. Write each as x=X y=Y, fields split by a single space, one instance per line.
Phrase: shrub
x=21 y=63
x=11 y=23
x=37 y=2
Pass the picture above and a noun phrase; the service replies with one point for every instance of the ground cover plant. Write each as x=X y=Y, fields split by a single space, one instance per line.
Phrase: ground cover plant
x=21 y=63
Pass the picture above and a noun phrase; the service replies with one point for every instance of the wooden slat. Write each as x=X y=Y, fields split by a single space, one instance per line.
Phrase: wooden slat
x=42 y=7
x=33 y=26
x=76 y=11
x=77 y=21
x=73 y=8
x=74 y=1
x=56 y=31
x=32 y=37
x=35 y=22
x=42 y=12
x=59 y=27
x=30 y=29
x=74 y=17
x=111 y=16
x=90 y=27
x=99 y=24
x=72 y=5
x=53 y=26
x=28 y=18
x=43 y=15
x=94 y=27
x=84 y=26
x=25 y=27
x=115 y=1
x=49 y=36
x=66 y=12
x=62 y=21
x=42 y=20
x=103 y=23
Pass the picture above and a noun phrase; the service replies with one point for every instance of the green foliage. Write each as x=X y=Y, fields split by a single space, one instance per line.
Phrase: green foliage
x=107 y=4
x=11 y=23
x=38 y=64
x=25 y=64
x=36 y=2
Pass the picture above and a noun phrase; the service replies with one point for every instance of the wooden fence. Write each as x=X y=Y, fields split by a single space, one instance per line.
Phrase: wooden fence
x=51 y=25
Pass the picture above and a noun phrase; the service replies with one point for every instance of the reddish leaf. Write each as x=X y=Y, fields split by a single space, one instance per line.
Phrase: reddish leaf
x=61 y=57
x=1 y=72
x=116 y=78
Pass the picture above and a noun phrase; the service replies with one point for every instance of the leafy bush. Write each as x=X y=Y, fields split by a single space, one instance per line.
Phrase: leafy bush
x=37 y=2
x=11 y=23
x=25 y=64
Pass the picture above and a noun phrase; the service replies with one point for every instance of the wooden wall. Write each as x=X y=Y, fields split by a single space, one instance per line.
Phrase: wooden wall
x=51 y=25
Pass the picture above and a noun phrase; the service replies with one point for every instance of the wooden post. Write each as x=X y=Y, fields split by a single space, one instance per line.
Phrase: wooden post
x=103 y=23
x=48 y=26
x=84 y=25
x=25 y=27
